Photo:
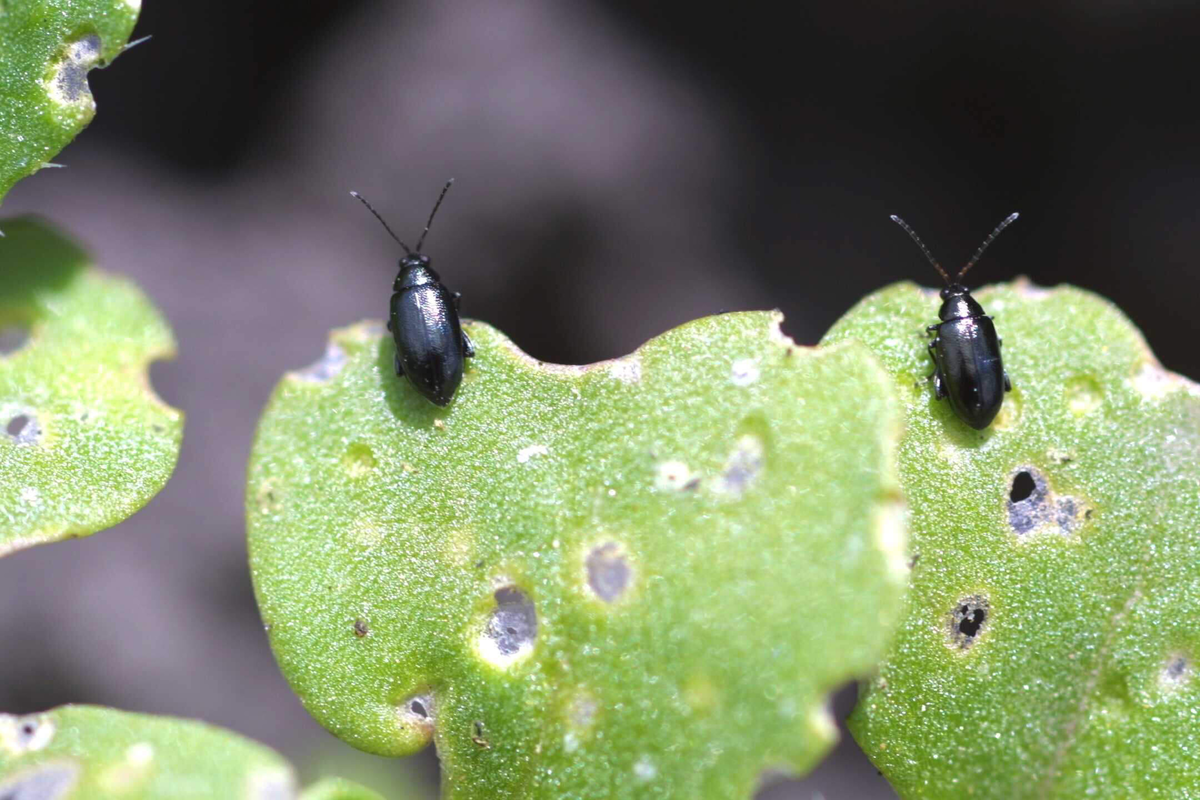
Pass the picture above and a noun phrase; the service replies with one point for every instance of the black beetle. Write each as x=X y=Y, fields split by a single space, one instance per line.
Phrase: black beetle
x=965 y=347
x=430 y=343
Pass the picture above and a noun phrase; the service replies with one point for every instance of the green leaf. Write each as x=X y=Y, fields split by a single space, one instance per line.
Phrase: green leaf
x=47 y=48
x=94 y=753
x=638 y=578
x=1049 y=644
x=84 y=441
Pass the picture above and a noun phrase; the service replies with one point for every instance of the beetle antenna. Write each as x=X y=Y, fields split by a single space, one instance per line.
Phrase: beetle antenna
x=370 y=208
x=436 y=206
x=921 y=245
x=1010 y=219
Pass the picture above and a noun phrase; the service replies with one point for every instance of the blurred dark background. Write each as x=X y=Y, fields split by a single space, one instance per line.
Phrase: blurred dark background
x=622 y=167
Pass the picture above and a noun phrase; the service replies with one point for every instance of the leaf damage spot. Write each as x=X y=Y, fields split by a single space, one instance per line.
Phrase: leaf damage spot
x=968 y=621
x=511 y=629
x=742 y=467
x=23 y=428
x=67 y=82
x=644 y=770
x=1176 y=673
x=27 y=734
x=1153 y=382
x=361 y=628
x=477 y=736
x=326 y=368
x=52 y=781
x=608 y=571
x=1084 y=395
x=1033 y=506
x=359 y=460
x=268 y=497
x=532 y=450
x=626 y=370
x=416 y=715
x=745 y=371
x=675 y=476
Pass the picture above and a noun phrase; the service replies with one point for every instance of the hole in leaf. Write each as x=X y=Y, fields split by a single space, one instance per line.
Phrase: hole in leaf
x=416 y=717
x=968 y=621
x=511 y=628
x=68 y=83
x=608 y=572
x=13 y=338
x=26 y=733
x=1023 y=486
x=23 y=428
x=1032 y=505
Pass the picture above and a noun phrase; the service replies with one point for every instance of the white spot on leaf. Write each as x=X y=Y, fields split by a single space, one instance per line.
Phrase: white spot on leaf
x=742 y=467
x=675 y=476
x=626 y=370
x=644 y=770
x=20 y=735
x=745 y=372
x=531 y=451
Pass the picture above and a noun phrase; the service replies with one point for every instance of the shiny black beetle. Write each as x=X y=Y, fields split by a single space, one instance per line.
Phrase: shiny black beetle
x=965 y=347
x=431 y=345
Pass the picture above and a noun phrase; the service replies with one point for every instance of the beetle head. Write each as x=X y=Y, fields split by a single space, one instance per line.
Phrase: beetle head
x=957 y=303
x=415 y=271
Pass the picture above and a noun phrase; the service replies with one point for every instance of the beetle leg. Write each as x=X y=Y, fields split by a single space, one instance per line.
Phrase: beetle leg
x=399 y=368
x=457 y=299
x=1007 y=383
x=939 y=388
x=468 y=345
x=389 y=326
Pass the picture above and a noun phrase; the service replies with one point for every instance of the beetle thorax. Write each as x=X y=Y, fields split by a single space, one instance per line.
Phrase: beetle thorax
x=415 y=271
x=957 y=303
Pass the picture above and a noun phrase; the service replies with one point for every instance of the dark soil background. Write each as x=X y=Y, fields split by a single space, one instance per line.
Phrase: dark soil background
x=621 y=167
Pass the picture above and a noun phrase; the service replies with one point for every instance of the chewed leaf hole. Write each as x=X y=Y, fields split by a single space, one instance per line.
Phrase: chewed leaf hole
x=417 y=717
x=23 y=428
x=45 y=782
x=19 y=735
x=68 y=81
x=1031 y=505
x=327 y=367
x=1175 y=673
x=511 y=628
x=13 y=338
x=608 y=571
x=968 y=621
x=1023 y=487
x=743 y=466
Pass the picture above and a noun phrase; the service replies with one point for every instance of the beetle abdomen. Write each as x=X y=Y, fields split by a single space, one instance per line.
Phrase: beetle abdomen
x=429 y=341
x=968 y=356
